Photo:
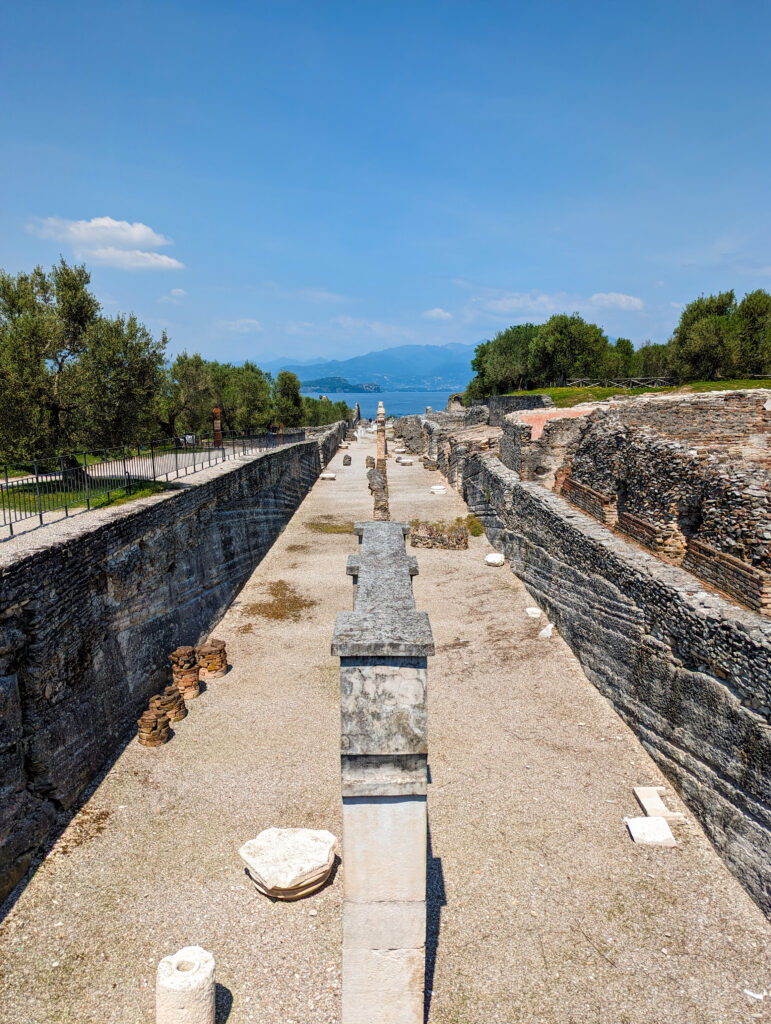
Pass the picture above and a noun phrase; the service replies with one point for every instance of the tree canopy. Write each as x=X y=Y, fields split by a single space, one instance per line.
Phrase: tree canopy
x=715 y=338
x=72 y=378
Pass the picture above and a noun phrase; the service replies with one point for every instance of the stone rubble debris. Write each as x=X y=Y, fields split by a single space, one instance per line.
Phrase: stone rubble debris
x=534 y=613
x=494 y=558
x=289 y=863
x=426 y=535
x=438 y=489
x=546 y=632
x=650 y=831
x=212 y=659
x=328 y=476
x=347 y=460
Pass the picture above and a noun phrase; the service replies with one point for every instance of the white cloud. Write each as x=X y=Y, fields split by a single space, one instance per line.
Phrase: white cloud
x=243 y=326
x=544 y=304
x=110 y=242
x=436 y=314
x=129 y=259
x=615 y=300
x=175 y=296
x=378 y=328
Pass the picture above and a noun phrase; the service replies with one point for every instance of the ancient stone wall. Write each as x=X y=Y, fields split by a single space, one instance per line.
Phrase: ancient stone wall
x=687 y=669
x=87 y=623
x=500 y=406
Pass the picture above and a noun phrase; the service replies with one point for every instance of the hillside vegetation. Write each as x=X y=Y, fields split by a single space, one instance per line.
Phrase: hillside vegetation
x=717 y=339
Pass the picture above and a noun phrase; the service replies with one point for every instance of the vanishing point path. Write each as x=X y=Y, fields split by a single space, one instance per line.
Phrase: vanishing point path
x=540 y=907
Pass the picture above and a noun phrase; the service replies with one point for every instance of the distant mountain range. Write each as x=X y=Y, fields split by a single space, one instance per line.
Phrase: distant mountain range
x=404 y=368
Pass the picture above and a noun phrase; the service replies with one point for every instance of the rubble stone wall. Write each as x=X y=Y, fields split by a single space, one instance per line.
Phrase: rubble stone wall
x=500 y=406
x=688 y=670
x=86 y=625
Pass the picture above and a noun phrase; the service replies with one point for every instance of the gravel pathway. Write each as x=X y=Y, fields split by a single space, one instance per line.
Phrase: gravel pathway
x=541 y=909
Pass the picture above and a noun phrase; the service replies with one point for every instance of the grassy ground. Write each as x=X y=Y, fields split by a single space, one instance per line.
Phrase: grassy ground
x=21 y=500
x=565 y=397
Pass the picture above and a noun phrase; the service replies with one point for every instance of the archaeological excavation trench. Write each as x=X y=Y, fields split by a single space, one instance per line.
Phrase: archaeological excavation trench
x=537 y=905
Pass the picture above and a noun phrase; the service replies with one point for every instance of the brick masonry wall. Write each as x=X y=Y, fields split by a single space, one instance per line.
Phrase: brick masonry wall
x=86 y=626
x=688 y=670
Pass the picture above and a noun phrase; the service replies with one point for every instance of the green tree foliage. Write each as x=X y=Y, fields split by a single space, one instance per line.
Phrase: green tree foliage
x=701 y=344
x=715 y=338
x=66 y=371
x=567 y=346
x=287 y=400
x=320 y=411
x=752 y=333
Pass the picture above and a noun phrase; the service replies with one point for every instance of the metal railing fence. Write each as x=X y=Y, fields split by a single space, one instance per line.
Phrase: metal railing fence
x=90 y=479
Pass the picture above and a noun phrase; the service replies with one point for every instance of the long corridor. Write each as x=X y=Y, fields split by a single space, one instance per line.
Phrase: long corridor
x=540 y=907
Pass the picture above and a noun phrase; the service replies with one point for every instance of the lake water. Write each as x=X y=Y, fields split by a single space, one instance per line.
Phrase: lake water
x=397 y=403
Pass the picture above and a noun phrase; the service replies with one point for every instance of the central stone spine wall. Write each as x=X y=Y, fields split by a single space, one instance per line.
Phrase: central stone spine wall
x=383 y=647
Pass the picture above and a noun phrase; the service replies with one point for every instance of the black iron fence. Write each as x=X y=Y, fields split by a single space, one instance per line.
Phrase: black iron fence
x=86 y=480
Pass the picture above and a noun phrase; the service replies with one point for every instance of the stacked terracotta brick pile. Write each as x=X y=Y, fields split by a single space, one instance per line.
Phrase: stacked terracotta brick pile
x=154 y=725
x=184 y=671
x=212 y=659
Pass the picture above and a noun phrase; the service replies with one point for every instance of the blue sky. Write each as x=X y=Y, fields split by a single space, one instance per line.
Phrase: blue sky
x=322 y=179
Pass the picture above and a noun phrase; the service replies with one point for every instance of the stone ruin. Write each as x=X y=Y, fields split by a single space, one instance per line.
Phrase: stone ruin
x=383 y=646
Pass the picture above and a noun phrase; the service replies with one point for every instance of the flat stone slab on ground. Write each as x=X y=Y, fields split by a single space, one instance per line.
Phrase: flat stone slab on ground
x=328 y=476
x=649 y=798
x=650 y=831
x=287 y=863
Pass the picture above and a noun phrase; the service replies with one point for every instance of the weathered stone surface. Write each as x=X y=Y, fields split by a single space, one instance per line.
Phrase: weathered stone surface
x=287 y=863
x=429 y=535
x=88 y=622
x=347 y=460
x=185 y=990
x=649 y=798
x=688 y=670
x=650 y=831
x=383 y=706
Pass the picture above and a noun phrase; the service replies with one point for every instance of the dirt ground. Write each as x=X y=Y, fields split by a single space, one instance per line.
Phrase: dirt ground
x=540 y=907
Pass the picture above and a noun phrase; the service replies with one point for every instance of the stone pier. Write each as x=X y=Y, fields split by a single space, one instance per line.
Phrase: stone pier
x=383 y=647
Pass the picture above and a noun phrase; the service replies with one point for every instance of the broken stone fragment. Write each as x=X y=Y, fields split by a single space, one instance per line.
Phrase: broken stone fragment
x=494 y=559
x=328 y=476
x=650 y=831
x=546 y=632
x=346 y=460
x=289 y=863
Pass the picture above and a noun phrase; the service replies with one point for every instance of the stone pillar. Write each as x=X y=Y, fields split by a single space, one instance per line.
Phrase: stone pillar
x=380 y=457
x=383 y=645
x=185 y=988
x=217 y=427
